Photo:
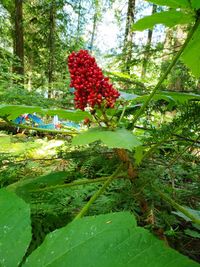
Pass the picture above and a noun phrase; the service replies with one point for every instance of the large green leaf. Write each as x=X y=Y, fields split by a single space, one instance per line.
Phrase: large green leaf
x=172 y=3
x=119 y=138
x=191 y=55
x=168 y=18
x=15 y=229
x=13 y=111
x=105 y=241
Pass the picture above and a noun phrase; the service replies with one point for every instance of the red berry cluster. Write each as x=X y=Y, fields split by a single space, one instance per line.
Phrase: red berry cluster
x=92 y=88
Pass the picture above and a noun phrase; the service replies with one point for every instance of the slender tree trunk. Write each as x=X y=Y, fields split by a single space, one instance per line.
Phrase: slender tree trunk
x=93 y=30
x=128 y=36
x=18 y=38
x=147 y=48
x=51 y=47
x=78 y=22
x=180 y=33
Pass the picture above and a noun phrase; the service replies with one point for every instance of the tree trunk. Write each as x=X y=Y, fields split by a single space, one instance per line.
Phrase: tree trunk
x=95 y=18
x=78 y=22
x=147 y=48
x=128 y=36
x=19 y=38
x=51 y=47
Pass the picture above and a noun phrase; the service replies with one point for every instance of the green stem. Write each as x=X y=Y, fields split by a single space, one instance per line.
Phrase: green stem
x=106 y=120
x=177 y=206
x=164 y=76
x=76 y=183
x=98 y=193
x=122 y=114
x=71 y=133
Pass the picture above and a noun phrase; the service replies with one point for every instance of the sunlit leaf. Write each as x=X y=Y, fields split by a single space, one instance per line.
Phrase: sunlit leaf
x=191 y=55
x=168 y=18
x=13 y=111
x=119 y=138
x=172 y=3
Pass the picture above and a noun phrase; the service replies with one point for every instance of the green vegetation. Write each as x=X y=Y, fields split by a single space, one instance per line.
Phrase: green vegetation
x=98 y=171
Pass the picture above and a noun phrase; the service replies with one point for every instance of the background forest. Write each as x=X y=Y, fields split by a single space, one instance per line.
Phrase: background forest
x=131 y=166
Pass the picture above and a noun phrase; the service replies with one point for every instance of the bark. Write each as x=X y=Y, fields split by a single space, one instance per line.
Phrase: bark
x=179 y=35
x=51 y=47
x=128 y=36
x=147 y=53
x=18 y=38
x=95 y=18
x=78 y=22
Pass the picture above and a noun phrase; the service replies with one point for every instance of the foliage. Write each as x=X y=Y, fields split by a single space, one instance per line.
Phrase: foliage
x=139 y=153
x=11 y=112
x=189 y=56
x=168 y=18
x=15 y=228
x=104 y=231
x=112 y=139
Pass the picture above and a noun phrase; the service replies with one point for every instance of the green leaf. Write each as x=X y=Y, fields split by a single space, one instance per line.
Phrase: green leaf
x=172 y=3
x=13 y=111
x=192 y=233
x=191 y=55
x=195 y=4
x=127 y=96
x=168 y=18
x=72 y=115
x=139 y=153
x=15 y=229
x=174 y=98
x=105 y=241
x=23 y=187
x=196 y=213
x=120 y=138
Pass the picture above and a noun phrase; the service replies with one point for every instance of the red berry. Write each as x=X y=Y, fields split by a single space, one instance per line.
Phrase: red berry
x=92 y=88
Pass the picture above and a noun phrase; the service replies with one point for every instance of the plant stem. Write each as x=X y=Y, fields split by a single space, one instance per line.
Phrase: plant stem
x=178 y=207
x=76 y=183
x=164 y=76
x=106 y=120
x=71 y=133
x=122 y=114
x=98 y=193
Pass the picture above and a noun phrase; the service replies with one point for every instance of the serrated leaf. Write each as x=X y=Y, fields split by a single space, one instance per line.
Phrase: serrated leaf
x=191 y=55
x=105 y=241
x=15 y=229
x=119 y=138
x=172 y=3
x=168 y=18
